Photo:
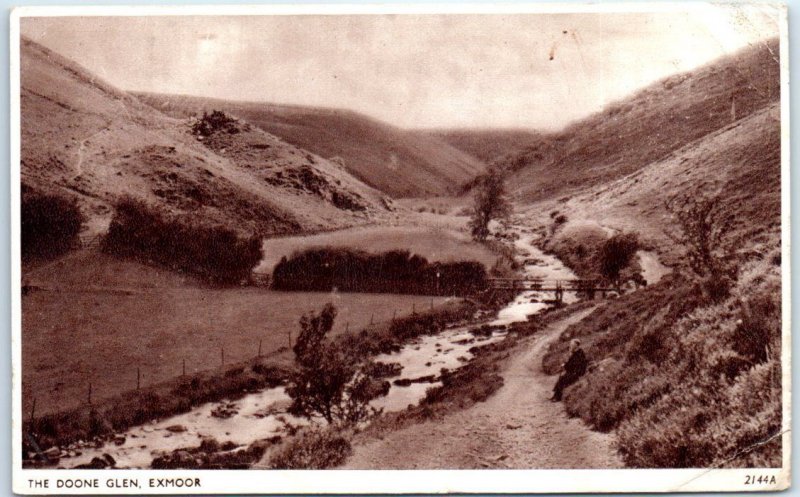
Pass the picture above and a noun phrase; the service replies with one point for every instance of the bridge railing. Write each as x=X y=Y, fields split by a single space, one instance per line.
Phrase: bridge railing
x=543 y=284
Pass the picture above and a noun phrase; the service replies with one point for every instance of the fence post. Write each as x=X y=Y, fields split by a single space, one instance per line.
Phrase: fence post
x=222 y=354
x=90 y=394
x=289 y=332
x=184 y=366
x=394 y=315
x=372 y=318
x=347 y=327
x=413 y=308
x=259 y=347
x=33 y=412
x=138 y=377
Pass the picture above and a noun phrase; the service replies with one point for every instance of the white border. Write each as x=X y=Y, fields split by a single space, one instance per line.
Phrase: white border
x=786 y=259
x=698 y=8
x=391 y=481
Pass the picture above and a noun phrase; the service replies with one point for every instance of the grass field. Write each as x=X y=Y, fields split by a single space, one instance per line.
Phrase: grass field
x=100 y=331
x=435 y=244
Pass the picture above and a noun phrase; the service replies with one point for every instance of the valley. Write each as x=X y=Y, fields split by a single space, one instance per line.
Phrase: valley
x=647 y=234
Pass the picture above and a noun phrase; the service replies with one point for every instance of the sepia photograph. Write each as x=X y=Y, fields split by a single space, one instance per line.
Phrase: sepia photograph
x=253 y=243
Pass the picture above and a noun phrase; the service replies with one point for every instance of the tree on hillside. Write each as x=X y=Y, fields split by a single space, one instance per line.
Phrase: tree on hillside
x=616 y=254
x=701 y=225
x=490 y=203
x=330 y=382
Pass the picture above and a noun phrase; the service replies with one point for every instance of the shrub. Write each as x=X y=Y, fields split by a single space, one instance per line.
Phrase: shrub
x=346 y=201
x=50 y=224
x=615 y=254
x=577 y=246
x=313 y=328
x=312 y=448
x=755 y=334
x=349 y=270
x=215 y=253
x=701 y=225
x=331 y=381
x=214 y=122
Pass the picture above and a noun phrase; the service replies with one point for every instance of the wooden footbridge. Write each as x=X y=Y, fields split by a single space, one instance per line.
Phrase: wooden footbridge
x=588 y=288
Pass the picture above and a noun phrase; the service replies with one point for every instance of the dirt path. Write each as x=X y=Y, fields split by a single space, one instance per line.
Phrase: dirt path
x=516 y=428
x=652 y=269
x=82 y=151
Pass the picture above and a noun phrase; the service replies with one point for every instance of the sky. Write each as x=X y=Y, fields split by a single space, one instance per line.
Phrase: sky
x=539 y=71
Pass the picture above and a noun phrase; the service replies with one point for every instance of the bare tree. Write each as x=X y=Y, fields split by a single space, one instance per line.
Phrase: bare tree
x=490 y=203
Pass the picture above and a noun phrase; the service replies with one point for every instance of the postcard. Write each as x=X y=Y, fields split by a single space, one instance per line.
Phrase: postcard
x=400 y=248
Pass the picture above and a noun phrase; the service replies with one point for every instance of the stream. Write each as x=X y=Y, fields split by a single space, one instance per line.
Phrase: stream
x=652 y=269
x=263 y=414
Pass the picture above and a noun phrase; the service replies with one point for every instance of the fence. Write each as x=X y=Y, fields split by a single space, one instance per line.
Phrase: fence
x=139 y=376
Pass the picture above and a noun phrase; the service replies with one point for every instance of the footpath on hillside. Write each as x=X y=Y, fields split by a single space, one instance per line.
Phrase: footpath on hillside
x=517 y=428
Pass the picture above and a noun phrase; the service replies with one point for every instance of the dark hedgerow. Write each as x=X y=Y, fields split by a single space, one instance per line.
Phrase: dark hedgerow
x=215 y=253
x=396 y=271
x=50 y=224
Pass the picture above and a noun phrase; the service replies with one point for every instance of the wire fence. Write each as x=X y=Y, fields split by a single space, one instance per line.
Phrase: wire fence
x=262 y=347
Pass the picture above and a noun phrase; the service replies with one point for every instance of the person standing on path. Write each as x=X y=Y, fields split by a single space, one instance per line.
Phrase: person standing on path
x=574 y=368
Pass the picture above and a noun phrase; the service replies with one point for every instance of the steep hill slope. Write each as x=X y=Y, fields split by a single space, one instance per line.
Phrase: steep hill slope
x=739 y=165
x=487 y=145
x=398 y=162
x=649 y=126
x=85 y=138
x=672 y=360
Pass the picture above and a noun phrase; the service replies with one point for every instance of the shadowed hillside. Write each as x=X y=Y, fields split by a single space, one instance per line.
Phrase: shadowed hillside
x=487 y=145
x=670 y=362
x=739 y=165
x=398 y=162
x=648 y=126
x=83 y=138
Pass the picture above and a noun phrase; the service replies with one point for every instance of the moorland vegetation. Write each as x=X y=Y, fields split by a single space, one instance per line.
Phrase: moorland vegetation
x=50 y=224
x=395 y=271
x=215 y=253
x=687 y=371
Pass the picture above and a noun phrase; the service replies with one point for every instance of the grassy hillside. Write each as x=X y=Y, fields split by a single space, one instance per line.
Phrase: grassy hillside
x=739 y=164
x=649 y=126
x=91 y=318
x=688 y=371
x=86 y=139
x=487 y=145
x=395 y=161
x=436 y=245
